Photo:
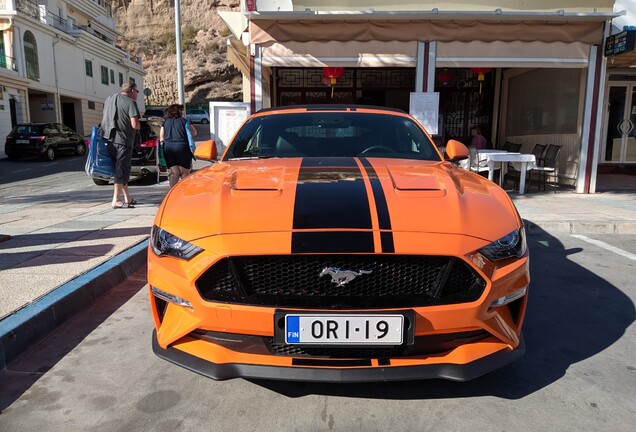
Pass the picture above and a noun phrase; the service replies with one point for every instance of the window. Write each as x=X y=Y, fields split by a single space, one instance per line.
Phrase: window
x=546 y=101
x=131 y=79
x=121 y=79
x=88 y=65
x=104 y=75
x=112 y=76
x=31 y=56
x=91 y=105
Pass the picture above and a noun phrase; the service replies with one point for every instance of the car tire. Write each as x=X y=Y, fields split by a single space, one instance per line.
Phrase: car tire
x=205 y=121
x=49 y=154
x=100 y=182
x=80 y=148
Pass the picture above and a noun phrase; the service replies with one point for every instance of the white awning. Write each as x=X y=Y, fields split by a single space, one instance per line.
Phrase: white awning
x=346 y=54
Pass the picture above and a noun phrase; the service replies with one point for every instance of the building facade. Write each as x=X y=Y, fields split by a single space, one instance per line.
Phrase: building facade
x=525 y=72
x=59 y=62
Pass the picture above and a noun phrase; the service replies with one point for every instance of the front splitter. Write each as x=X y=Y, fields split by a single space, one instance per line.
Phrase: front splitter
x=453 y=372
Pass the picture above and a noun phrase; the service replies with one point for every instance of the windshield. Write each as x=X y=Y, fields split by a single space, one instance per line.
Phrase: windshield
x=332 y=134
x=27 y=129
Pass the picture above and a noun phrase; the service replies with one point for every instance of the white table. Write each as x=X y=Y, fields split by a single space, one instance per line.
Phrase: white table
x=526 y=161
x=483 y=157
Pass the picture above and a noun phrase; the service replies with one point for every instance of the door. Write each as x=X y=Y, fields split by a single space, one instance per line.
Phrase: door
x=14 y=112
x=620 y=125
x=68 y=115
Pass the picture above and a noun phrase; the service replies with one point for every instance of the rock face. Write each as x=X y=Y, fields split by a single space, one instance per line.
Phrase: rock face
x=148 y=30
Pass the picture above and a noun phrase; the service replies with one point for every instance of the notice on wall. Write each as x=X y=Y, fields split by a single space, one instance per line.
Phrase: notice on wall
x=225 y=120
x=425 y=108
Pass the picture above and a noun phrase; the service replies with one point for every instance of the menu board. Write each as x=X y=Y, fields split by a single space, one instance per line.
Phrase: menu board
x=225 y=120
x=425 y=108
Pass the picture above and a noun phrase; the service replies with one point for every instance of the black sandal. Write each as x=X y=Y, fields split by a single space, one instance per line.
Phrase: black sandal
x=123 y=205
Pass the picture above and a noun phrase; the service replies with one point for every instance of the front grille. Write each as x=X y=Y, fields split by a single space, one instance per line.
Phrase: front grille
x=395 y=281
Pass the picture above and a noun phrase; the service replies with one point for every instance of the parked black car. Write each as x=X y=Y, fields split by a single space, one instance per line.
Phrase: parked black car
x=144 y=157
x=43 y=139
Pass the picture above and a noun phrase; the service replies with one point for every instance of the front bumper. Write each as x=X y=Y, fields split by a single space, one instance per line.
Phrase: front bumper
x=453 y=372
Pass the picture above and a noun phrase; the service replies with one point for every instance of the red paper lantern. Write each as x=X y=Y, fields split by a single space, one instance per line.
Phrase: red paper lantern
x=332 y=73
x=480 y=72
x=445 y=76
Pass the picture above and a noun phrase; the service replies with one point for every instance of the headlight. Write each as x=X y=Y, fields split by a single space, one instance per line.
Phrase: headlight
x=164 y=243
x=511 y=245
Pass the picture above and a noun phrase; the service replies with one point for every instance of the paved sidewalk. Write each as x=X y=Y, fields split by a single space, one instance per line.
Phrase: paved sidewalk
x=60 y=257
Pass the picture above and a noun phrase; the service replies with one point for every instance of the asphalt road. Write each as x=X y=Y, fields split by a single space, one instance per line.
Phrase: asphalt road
x=34 y=168
x=98 y=372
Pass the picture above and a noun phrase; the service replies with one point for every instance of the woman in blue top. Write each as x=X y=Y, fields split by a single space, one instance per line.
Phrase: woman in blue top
x=176 y=149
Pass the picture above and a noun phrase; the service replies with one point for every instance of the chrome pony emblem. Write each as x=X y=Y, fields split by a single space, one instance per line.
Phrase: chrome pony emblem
x=341 y=277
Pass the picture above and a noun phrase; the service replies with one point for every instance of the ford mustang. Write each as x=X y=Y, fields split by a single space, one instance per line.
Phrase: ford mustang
x=337 y=243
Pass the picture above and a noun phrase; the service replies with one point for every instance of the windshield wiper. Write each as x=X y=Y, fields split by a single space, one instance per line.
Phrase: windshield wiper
x=250 y=158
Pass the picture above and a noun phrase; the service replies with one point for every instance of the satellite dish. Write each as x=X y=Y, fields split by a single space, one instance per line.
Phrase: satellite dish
x=147 y=92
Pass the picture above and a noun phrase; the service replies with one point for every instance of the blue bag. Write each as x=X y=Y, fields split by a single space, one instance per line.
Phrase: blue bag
x=191 y=142
x=99 y=164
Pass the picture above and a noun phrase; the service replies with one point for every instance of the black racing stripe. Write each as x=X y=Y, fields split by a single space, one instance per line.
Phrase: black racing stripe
x=384 y=218
x=324 y=162
x=331 y=194
x=386 y=238
x=332 y=242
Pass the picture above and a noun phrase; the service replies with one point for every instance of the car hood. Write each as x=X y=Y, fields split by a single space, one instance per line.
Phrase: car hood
x=337 y=194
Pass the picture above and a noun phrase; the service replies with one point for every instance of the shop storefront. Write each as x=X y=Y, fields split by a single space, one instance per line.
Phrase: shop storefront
x=533 y=77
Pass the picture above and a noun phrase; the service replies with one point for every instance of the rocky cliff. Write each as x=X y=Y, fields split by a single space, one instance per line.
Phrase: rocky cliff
x=148 y=30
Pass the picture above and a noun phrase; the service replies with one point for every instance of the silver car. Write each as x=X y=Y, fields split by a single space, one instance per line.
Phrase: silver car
x=196 y=115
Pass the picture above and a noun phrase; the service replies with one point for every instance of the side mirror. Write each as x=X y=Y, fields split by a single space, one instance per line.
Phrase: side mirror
x=206 y=150
x=456 y=151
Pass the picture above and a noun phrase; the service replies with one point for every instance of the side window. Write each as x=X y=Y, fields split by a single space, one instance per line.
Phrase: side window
x=49 y=130
x=121 y=79
x=88 y=67
x=112 y=76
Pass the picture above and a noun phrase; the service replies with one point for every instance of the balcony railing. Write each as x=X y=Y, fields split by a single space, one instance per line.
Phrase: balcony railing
x=7 y=62
x=39 y=12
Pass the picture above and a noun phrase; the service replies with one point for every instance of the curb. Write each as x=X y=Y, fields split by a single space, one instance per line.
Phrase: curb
x=29 y=325
x=580 y=227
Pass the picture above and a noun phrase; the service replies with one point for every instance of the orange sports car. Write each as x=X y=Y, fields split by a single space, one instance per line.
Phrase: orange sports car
x=336 y=243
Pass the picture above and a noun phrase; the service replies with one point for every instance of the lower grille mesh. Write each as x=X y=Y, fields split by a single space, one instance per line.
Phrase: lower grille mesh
x=295 y=281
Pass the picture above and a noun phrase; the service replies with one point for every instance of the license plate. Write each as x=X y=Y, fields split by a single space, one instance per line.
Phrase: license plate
x=346 y=329
x=22 y=141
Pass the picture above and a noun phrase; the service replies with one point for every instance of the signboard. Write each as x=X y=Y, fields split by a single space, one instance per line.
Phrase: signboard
x=225 y=119
x=620 y=43
x=425 y=108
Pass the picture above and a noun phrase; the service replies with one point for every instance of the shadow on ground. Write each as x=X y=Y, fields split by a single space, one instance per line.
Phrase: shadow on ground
x=20 y=376
x=572 y=315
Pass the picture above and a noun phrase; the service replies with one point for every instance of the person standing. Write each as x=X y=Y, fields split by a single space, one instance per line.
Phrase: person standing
x=120 y=123
x=478 y=141
x=176 y=147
